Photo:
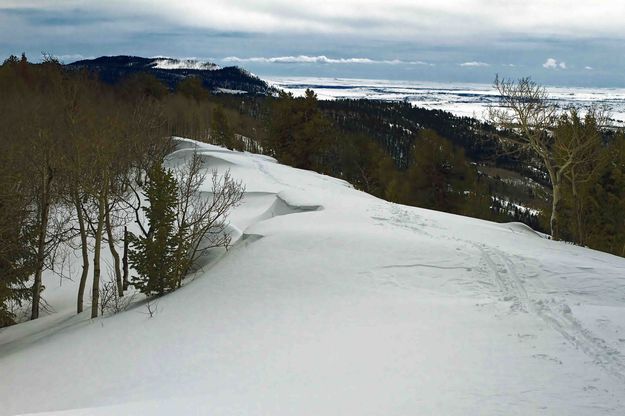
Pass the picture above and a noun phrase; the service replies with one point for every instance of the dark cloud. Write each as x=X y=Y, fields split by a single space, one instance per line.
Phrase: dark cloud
x=51 y=17
x=394 y=39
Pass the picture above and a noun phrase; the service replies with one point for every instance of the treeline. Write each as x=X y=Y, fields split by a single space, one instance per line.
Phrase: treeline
x=376 y=144
x=432 y=172
x=82 y=167
x=394 y=125
x=572 y=167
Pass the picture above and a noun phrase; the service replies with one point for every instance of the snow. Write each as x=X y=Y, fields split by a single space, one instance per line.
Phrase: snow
x=170 y=63
x=333 y=302
x=511 y=206
x=230 y=91
x=461 y=99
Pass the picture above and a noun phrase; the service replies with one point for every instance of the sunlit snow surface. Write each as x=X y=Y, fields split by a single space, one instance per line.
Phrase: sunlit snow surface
x=170 y=63
x=333 y=302
x=461 y=99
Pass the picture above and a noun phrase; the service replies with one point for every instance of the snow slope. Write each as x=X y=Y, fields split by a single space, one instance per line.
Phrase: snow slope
x=333 y=302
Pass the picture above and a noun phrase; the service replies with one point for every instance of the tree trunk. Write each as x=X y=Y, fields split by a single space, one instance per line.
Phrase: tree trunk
x=577 y=206
x=555 y=210
x=115 y=254
x=44 y=213
x=95 y=290
x=84 y=249
x=125 y=259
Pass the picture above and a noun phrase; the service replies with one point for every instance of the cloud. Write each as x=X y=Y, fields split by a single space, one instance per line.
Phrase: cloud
x=474 y=64
x=588 y=68
x=321 y=59
x=431 y=20
x=359 y=38
x=552 y=63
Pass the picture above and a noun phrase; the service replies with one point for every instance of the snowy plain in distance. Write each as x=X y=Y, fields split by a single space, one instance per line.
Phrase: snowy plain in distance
x=462 y=99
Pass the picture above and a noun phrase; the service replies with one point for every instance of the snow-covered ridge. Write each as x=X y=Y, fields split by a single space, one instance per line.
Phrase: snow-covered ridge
x=333 y=302
x=171 y=63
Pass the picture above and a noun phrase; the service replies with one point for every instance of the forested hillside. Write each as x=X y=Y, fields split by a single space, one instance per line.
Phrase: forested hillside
x=112 y=69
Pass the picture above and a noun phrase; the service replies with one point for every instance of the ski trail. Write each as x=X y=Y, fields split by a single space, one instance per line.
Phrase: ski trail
x=506 y=279
x=556 y=314
x=404 y=219
x=261 y=167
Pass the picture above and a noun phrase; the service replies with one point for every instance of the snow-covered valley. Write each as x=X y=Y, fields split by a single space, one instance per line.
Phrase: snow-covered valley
x=333 y=302
x=460 y=99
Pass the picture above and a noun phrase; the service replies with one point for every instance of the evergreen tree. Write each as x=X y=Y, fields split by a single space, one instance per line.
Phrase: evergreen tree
x=191 y=87
x=299 y=132
x=439 y=177
x=580 y=138
x=357 y=159
x=152 y=255
x=604 y=219
x=221 y=133
x=16 y=260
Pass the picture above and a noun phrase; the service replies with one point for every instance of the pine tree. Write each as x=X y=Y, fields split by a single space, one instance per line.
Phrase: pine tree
x=604 y=218
x=192 y=87
x=439 y=176
x=299 y=132
x=581 y=139
x=152 y=255
x=16 y=261
x=221 y=133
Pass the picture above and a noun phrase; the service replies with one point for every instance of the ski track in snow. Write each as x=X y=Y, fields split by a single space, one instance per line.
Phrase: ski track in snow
x=556 y=314
x=263 y=170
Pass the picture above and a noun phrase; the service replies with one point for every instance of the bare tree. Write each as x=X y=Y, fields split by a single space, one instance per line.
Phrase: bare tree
x=568 y=148
x=110 y=300
x=84 y=248
x=107 y=166
x=42 y=172
x=78 y=160
x=31 y=134
x=525 y=108
x=110 y=236
x=202 y=216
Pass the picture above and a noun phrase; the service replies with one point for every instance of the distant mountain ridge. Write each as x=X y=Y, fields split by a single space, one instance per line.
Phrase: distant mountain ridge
x=171 y=71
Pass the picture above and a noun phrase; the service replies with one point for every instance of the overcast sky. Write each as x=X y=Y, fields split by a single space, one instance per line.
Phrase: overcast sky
x=555 y=42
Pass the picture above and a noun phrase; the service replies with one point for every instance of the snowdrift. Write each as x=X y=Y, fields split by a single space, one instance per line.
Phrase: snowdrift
x=333 y=302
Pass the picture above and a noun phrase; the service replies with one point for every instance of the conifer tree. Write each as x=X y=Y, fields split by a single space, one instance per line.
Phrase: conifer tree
x=604 y=219
x=152 y=255
x=299 y=132
x=191 y=87
x=581 y=139
x=439 y=176
x=16 y=261
x=221 y=133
